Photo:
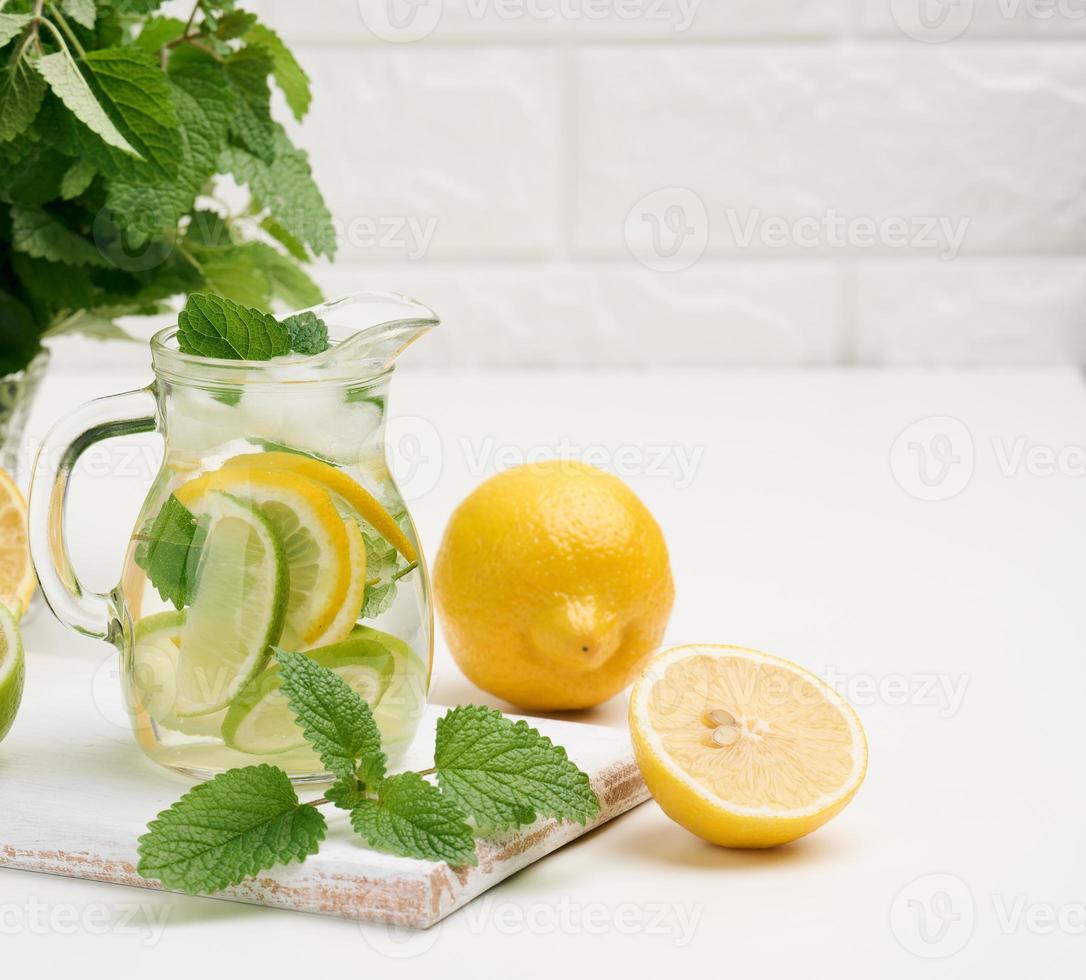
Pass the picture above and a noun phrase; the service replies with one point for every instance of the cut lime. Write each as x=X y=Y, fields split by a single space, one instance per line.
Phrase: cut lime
x=260 y=721
x=315 y=541
x=154 y=663
x=12 y=669
x=237 y=612
x=399 y=710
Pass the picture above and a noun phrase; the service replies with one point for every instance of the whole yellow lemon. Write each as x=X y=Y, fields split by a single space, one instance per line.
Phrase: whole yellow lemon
x=553 y=585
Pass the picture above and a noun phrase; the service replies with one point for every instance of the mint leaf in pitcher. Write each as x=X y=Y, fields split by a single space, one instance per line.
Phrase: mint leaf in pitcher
x=308 y=333
x=168 y=551
x=213 y=326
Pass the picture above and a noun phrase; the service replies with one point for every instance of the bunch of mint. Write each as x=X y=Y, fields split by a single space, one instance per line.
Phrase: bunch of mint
x=491 y=775
x=114 y=123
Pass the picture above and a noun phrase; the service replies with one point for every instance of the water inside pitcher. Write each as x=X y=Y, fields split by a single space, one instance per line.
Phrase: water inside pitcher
x=273 y=524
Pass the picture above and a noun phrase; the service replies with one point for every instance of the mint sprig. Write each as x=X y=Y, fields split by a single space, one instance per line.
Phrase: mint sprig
x=213 y=326
x=334 y=719
x=491 y=773
x=412 y=817
x=115 y=122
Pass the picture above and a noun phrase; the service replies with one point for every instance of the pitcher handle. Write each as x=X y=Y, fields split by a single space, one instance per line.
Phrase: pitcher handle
x=130 y=413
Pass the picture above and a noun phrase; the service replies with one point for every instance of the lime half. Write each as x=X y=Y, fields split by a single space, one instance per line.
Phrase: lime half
x=12 y=669
x=237 y=612
x=260 y=721
x=398 y=713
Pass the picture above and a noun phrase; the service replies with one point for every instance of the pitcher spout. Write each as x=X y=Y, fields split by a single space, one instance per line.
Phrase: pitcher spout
x=373 y=328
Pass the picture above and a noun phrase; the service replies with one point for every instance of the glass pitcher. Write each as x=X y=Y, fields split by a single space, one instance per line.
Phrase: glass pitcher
x=274 y=523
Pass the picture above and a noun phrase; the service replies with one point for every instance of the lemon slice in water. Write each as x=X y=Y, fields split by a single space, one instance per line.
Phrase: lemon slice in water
x=357 y=497
x=239 y=605
x=742 y=748
x=315 y=541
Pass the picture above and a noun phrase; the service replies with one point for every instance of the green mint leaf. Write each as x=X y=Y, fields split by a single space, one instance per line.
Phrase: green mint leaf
x=159 y=31
x=67 y=82
x=77 y=178
x=11 y=25
x=83 y=12
x=51 y=287
x=42 y=236
x=233 y=273
x=333 y=718
x=228 y=829
x=212 y=326
x=412 y=818
x=308 y=333
x=19 y=341
x=346 y=793
x=252 y=124
x=285 y=238
x=378 y=599
x=134 y=90
x=286 y=281
x=287 y=189
x=382 y=561
x=505 y=774
x=168 y=551
x=21 y=92
x=150 y=208
x=288 y=74
x=234 y=24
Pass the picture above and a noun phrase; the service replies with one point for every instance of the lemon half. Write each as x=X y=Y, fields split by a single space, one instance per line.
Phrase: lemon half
x=742 y=748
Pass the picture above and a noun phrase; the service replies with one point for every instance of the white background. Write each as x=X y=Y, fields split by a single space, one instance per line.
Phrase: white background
x=521 y=147
x=940 y=591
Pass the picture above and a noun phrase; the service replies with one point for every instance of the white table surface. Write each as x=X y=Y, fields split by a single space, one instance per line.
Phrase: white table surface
x=955 y=625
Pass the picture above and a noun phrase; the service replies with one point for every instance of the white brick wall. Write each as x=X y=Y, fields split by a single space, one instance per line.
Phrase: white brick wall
x=503 y=168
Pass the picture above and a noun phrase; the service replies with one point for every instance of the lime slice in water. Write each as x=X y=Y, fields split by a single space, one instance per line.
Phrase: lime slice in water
x=260 y=721
x=154 y=663
x=315 y=541
x=398 y=713
x=237 y=612
x=12 y=669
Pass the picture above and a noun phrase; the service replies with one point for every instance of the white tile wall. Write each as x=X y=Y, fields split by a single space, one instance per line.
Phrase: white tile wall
x=730 y=182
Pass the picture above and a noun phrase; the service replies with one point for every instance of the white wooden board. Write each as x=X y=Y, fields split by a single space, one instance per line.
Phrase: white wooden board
x=76 y=793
